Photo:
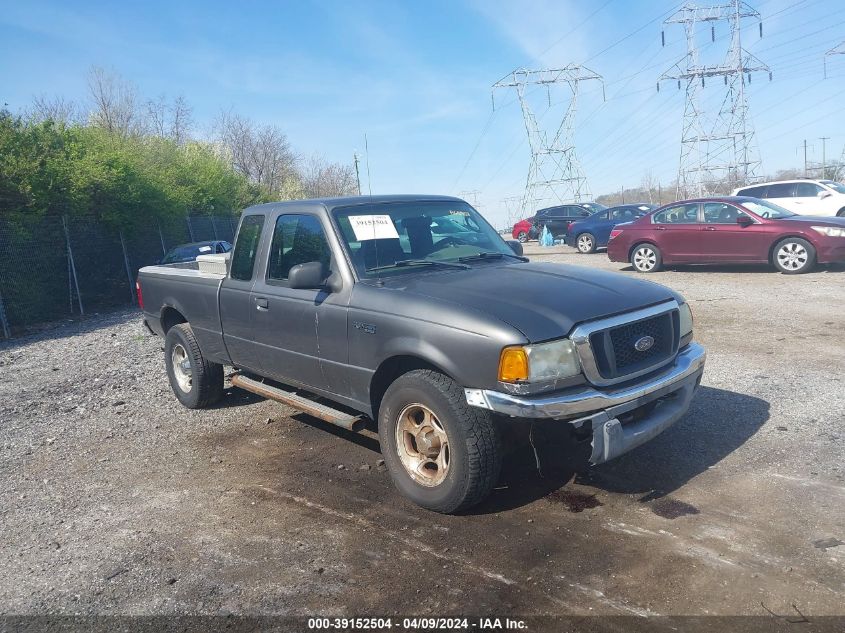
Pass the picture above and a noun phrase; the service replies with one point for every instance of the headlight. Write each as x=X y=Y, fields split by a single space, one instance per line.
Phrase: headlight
x=536 y=363
x=686 y=319
x=830 y=231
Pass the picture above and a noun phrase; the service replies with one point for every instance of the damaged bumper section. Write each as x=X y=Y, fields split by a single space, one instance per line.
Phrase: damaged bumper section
x=622 y=418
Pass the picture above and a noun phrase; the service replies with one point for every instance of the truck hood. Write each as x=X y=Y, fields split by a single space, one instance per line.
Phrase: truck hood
x=542 y=300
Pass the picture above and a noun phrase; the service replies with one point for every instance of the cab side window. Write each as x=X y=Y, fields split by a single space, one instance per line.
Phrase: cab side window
x=781 y=190
x=246 y=247
x=297 y=239
x=721 y=213
x=680 y=214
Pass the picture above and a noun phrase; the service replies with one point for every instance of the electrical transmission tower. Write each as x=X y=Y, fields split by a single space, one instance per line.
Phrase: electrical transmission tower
x=716 y=151
x=554 y=175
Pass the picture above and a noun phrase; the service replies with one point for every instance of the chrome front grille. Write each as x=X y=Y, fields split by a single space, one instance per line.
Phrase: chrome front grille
x=608 y=348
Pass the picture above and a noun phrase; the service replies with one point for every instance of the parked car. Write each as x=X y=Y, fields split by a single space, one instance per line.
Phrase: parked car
x=444 y=344
x=189 y=252
x=558 y=219
x=525 y=230
x=593 y=232
x=728 y=230
x=802 y=196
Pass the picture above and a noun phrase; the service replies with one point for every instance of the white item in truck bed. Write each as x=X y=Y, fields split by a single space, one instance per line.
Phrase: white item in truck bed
x=215 y=264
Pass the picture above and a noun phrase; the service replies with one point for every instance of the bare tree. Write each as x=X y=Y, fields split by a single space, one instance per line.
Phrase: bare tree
x=322 y=179
x=115 y=103
x=56 y=109
x=171 y=120
x=649 y=184
x=261 y=153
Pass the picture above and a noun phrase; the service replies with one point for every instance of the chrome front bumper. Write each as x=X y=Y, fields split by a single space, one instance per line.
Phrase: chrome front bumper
x=601 y=408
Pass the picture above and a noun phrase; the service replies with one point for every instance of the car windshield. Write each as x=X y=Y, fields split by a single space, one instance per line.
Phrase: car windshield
x=838 y=187
x=187 y=253
x=766 y=209
x=398 y=238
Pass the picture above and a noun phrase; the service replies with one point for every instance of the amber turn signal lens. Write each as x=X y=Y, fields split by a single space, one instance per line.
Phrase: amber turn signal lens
x=513 y=364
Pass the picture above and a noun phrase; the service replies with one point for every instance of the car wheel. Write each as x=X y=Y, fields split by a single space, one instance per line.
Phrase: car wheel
x=442 y=454
x=196 y=382
x=646 y=258
x=794 y=256
x=841 y=213
x=586 y=243
x=522 y=237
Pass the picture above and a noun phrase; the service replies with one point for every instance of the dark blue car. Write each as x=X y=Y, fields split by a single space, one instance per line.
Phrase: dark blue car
x=594 y=231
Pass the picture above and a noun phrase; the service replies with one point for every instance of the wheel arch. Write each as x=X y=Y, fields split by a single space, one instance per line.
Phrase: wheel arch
x=781 y=238
x=638 y=242
x=392 y=368
x=169 y=317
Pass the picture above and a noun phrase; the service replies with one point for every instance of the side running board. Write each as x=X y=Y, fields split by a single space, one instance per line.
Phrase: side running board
x=338 y=418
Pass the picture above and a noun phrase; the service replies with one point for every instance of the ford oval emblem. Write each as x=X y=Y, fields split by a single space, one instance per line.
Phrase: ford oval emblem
x=644 y=344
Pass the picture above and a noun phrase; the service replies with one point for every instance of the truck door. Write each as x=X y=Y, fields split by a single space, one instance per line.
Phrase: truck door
x=288 y=321
x=236 y=315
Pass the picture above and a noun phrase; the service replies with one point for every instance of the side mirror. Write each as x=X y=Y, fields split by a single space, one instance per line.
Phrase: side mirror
x=823 y=194
x=307 y=276
x=515 y=245
x=744 y=220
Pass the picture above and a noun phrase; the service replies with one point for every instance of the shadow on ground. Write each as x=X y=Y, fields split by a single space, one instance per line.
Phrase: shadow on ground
x=718 y=423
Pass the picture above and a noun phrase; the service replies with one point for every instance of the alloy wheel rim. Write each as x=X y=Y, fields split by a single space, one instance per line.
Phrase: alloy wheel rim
x=585 y=243
x=182 y=370
x=422 y=445
x=645 y=259
x=792 y=256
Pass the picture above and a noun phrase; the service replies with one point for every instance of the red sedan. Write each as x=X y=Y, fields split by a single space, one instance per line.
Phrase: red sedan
x=728 y=230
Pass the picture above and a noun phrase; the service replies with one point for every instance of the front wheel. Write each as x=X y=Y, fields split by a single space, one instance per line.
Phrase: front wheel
x=442 y=454
x=196 y=382
x=522 y=237
x=646 y=258
x=794 y=256
x=586 y=243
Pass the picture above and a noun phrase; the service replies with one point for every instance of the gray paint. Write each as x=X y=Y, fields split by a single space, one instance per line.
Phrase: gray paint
x=332 y=343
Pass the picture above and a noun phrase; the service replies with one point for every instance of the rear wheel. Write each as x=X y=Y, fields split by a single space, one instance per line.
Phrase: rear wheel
x=522 y=236
x=196 y=382
x=586 y=243
x=646 y=258
x=794 y=256
x=441 y=453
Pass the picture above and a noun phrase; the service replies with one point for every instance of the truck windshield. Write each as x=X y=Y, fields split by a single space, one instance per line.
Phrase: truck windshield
x=381 y=238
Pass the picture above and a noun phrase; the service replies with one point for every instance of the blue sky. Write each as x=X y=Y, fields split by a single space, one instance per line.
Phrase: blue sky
x=416 y=78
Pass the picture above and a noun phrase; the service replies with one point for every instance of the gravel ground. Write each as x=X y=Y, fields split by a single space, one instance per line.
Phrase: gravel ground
x=116 y=500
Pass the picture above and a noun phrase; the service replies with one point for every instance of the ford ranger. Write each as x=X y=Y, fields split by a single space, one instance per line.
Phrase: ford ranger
x=413 y=313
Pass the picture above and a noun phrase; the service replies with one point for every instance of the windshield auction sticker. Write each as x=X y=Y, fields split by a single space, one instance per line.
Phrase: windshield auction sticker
x=373 y=227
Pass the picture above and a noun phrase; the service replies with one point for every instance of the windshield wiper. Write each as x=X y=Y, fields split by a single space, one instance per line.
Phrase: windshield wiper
x=417 y=262
x=478 y=256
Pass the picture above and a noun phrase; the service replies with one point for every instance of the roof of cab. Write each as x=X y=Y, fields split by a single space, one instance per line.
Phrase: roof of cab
x=329 y=204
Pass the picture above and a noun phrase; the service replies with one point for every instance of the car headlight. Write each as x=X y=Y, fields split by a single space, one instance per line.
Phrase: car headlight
x=686 y=320
x=537 y=363
x=830 y=231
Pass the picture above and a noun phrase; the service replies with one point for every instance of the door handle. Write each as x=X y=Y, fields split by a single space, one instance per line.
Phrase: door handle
x=262 y=304
x=660 y=228
x=709 y=228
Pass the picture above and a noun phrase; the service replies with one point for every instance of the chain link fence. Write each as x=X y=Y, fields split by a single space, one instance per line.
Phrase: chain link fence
x=56 y=267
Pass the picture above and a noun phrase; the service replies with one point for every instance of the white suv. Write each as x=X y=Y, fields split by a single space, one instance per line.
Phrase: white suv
x=804 y=196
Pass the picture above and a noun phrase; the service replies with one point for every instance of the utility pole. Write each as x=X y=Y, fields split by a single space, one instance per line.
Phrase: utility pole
x=554 y=174
x=471 y=194
x=357 y=173
x=719 y=148
x=824 y=157
x=836 y=50
x=805 y=158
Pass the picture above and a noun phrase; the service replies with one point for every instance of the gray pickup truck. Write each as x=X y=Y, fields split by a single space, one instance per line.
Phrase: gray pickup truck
x=412 y=313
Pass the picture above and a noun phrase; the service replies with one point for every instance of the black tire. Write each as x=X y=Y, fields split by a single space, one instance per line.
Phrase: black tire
x=841 y=213
x=585 y=243
x=522 y=236
x=794 y=256
x=646 y=258
x=474 y=455
x=205 y=385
